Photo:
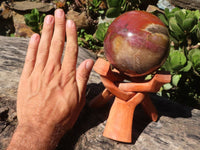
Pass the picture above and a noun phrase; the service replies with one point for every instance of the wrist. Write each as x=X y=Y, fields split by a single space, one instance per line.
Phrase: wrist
x=40 y=133
x=28 y=137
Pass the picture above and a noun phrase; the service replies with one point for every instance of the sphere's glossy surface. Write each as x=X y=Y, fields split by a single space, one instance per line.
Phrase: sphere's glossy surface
x=136 y=43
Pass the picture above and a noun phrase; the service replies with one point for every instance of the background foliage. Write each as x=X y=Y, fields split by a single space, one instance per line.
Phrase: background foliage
x=184 y=57
x=184 y=31
x=35 y=20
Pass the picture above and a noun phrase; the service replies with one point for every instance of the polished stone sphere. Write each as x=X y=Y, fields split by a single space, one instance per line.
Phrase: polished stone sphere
x=136 y=43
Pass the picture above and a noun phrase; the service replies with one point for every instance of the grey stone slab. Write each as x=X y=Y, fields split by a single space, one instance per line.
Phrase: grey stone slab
x=29 y=5
x=191 y=4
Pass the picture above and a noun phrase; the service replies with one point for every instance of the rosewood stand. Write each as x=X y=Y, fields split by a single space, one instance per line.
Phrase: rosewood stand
x=127 y=96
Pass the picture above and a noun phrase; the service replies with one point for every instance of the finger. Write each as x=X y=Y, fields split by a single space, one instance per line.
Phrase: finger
x=58 y=39
x=71 y=52
x=43 y=50
x=82 y=75
x=31 y=55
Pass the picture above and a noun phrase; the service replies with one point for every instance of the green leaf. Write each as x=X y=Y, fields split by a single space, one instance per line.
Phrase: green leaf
x=42 y=18
x=187 y=67
x=166 y=11
x=177 y=60
x=166 y=66
x=88 y=37
x=175 y=9
x=124 y=6
x=34 y=20
x=174 y=37
x=12 y=35
x=101 y=31
x=114 y=3
x=149 y=77
x=101 y=12
x=27 y=18
x=194 y=57
x=194 y=53
x=170 y=16
x=167 y=86
x=194 y=29
x=31 y=18
x=173 y=25
x=198 y=31
x=95 y=3
x=197 y=14
x=189 y=23
x=35 y=12
x=191 y=14
x=113 y=12
x=163 y=19
x=175 y=79
x=180 y=17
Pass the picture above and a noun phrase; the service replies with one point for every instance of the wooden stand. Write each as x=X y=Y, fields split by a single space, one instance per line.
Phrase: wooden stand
x=127 y=97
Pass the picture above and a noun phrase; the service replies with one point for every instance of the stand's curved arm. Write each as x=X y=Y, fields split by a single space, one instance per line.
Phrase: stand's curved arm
x=153 y=85
x=110 y=85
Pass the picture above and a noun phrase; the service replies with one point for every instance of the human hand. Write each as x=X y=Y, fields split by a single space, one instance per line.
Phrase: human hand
x=51 y=94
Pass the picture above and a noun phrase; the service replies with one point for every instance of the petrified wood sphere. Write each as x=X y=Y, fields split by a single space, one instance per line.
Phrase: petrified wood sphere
x=136 y=43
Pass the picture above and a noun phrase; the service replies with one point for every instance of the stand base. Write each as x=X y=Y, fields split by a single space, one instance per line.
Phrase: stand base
x=119 y=122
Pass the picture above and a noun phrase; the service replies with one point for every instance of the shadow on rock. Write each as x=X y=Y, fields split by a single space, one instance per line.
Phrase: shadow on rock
x=168 y=108
x=164 y=107
x=90 y=118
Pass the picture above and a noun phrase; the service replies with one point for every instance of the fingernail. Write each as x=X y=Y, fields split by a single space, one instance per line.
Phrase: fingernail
x=34 y=37
x=59 y=13
x=70 y=23
x=89 y=64
x=48 y=19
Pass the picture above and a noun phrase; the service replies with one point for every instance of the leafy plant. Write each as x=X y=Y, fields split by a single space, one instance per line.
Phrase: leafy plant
x=183 y=61
x=177 y=61
x=184 y=26
x=87 y=40
x=95 y=9
x=194 y=57
x=115 y=7
x=95 y=3
x=101 y=31
x=34 y=20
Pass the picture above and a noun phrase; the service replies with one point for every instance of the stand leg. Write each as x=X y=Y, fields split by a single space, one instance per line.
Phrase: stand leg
x=119 y=122
x=101 y=99
x=150 y=108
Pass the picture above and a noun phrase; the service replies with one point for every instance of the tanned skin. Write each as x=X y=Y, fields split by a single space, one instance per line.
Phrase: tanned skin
x=51 y=93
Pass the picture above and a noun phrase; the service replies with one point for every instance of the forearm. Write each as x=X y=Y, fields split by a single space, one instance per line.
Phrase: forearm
x=26 y=138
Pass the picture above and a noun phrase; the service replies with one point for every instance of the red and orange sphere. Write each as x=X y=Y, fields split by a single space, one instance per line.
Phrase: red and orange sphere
x=136 y=43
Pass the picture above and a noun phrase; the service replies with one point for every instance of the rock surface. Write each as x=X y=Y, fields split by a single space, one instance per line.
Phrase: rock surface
x=21 y=29
x=178 y=127
x=80 y=19
x=28 y=5
x=192 y=4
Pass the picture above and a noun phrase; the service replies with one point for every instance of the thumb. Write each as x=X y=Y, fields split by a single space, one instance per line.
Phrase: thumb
x=82 y=75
